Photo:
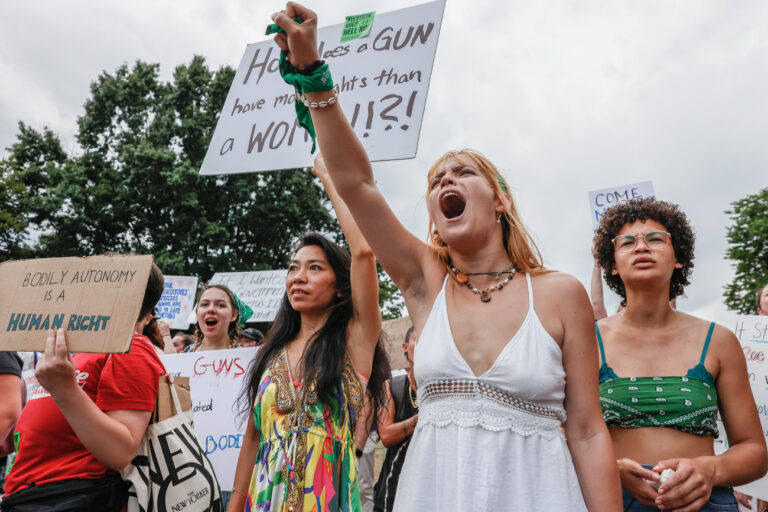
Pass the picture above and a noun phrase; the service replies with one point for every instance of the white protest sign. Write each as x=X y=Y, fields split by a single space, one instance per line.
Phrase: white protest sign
x=261 y=290
x=601 y=200
x=382 y=80
x=216 y=379
x=752 y=332
x=178 y=300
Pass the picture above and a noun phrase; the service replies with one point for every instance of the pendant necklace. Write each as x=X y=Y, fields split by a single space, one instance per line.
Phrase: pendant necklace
x=485 y=295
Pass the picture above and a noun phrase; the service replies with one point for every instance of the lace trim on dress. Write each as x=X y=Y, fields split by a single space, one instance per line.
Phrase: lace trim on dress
x=470 y=403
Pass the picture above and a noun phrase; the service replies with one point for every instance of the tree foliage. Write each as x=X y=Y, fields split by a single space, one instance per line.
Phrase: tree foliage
x=133 y=184
x=748 y=249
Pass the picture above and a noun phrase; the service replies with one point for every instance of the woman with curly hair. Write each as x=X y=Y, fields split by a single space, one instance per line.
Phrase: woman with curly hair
x=665 y=374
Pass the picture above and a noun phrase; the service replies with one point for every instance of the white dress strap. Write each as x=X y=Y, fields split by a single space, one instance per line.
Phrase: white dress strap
x=530 y=291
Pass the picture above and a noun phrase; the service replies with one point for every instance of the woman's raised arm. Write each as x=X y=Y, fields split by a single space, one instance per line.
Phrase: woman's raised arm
x=363 y=278
x=401 y=254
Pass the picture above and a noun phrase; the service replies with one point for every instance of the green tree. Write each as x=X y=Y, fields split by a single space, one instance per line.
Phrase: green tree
x=133 y=184
x=748 y=249
x=26 y=178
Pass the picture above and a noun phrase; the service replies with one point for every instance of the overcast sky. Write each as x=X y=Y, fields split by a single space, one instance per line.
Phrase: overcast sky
x=564 y=96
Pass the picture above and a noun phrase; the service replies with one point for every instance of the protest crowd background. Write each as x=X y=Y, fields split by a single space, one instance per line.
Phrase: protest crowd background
x=116 y=168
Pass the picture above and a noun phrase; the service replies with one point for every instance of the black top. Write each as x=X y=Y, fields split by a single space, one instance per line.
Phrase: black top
x=11 y=363
x=385 y=488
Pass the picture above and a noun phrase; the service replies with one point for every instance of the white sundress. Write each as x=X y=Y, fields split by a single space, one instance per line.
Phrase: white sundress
x=492 y=442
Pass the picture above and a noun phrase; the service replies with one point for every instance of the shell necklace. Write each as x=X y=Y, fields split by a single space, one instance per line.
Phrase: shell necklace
x=485 y=295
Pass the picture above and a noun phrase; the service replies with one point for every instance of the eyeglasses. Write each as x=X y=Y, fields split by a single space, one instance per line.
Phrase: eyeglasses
x=651 y=239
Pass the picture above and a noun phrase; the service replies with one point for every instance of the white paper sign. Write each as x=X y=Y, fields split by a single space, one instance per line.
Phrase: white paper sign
x=178 y=300
x=752 y=332
x=216 y=378
x=601 y=200
x=261 y=290
x=382 y=80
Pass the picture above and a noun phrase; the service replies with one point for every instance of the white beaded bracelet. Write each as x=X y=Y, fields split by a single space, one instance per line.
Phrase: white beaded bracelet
x=318 y=104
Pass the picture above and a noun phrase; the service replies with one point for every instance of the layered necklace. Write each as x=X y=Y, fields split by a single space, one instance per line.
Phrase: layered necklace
x=485 y=295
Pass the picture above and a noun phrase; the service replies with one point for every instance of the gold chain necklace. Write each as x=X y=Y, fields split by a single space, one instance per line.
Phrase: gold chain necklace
x=414 y=399
x=485 y=295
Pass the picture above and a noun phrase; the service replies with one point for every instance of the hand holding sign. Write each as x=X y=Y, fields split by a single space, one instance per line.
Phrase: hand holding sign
x=299 y=40
x=56 y=370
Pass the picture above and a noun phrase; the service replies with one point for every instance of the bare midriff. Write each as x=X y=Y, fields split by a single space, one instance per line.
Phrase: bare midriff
x=649 y=445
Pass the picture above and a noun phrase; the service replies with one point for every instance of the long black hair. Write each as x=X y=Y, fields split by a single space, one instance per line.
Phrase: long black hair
x=324 y=356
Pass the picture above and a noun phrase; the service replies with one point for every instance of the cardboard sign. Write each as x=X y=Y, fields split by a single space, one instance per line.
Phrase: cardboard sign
x=178 y=300
x=601 y=200
x=261 y=290
x=216 y=378
x=395 y=330
x=96 y=299
x=752 y=332
x=382 y=81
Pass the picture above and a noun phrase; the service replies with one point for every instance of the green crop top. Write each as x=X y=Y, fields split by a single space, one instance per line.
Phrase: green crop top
x=686 y=403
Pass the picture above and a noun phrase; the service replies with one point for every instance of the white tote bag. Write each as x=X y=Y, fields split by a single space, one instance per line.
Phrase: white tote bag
x=171 y=471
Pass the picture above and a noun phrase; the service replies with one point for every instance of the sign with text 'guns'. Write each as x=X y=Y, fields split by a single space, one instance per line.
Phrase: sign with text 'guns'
x=216 y=378
x=382 y=80
x=96 y=299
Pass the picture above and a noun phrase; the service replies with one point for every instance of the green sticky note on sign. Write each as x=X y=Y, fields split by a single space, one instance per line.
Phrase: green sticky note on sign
x=357 y=26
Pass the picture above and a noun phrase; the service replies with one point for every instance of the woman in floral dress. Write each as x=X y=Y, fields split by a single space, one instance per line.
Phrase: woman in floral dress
x=308 y=380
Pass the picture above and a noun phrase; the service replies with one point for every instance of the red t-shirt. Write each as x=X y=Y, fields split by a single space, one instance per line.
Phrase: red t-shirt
x=48 y=448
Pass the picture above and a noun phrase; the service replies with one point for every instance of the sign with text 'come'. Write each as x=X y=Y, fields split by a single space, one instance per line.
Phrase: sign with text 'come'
x=96 y=299
x=382 y=80
x=601 y=200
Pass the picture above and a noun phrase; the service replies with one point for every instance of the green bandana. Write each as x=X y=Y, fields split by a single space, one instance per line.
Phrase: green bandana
x=502 y=183
x=274 y=28
x=244 y=311
x=317 y=81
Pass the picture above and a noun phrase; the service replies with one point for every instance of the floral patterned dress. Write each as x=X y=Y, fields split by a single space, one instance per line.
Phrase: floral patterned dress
x=306 y=457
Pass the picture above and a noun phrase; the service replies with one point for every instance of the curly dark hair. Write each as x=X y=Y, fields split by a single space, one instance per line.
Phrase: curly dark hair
x=668 y=215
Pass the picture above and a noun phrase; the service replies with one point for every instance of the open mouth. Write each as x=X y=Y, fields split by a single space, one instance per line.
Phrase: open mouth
x=452 y=205
x=211 y=322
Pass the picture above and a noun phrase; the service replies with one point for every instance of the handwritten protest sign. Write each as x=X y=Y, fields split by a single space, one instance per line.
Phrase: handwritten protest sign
x=261 y=290
x=97 y=300
x=382 y=80
x=216 y=379
x=178 y=300
x=752 y=333
x=601 y=200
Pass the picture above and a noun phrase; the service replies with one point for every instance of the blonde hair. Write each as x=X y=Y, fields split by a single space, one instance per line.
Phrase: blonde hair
x=518 y=243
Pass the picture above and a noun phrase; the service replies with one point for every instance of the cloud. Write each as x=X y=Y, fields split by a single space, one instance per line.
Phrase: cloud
x=565 y=97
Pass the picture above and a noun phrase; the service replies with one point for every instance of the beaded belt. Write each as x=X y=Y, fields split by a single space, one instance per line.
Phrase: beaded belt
x=466 y=388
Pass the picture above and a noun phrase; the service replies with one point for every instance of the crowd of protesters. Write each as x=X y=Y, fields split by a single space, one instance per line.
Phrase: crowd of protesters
x=518 y=395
